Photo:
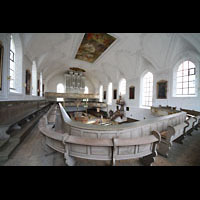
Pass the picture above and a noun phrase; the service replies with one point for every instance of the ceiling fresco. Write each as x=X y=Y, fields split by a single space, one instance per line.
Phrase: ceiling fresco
x=93 y=45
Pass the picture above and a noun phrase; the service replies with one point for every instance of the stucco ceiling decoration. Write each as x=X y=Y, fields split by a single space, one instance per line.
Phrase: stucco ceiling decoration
x=93 y=45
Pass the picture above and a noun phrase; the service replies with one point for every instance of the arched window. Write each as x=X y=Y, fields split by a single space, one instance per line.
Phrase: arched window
x=12 y=65
x=122 y=87
x=186 y=79
x=34 y=79
x=86 y=90
x=60 y=88
x=110 y=93
x=15 y=68
x=101 y=93
x=147 y=90
x=41 y=83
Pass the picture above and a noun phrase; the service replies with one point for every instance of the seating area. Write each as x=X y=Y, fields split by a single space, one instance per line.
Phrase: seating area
x=14 y=130
x=141 y=139
x=193 y=118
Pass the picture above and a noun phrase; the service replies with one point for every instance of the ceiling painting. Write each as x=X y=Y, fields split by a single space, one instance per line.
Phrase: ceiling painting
x=93 y=45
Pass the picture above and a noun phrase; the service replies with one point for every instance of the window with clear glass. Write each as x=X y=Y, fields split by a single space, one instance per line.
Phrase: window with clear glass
x=185 y=79
x=34 y=79
x=101 y=93
x=86 y=90
x=60 y=88
x=12 y=64
x=110 y=94
x=122 y=87
x=147 y=90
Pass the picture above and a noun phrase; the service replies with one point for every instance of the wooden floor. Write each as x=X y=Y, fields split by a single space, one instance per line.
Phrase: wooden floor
x=31 y=152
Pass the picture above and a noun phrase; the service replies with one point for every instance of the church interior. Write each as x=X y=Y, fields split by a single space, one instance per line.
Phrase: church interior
x=99 y=99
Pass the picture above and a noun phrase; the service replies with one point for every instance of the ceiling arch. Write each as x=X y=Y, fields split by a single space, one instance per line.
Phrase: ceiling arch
x=133 y=52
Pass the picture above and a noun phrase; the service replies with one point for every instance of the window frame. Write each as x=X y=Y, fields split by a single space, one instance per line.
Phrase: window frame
x=143 y=102
x=195 y=81
x=122 y=90
x=13 y=60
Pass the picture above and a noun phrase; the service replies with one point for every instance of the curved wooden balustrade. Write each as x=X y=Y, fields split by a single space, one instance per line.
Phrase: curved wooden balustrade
x=113 y=148
x=141 y=139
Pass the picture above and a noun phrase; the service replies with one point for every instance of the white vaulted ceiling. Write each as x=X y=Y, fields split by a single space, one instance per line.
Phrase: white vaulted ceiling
x=54 y=53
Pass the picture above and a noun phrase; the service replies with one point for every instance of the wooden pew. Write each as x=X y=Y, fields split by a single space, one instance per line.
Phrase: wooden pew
x=18 y=130
x=193 y=120
x=143 y=147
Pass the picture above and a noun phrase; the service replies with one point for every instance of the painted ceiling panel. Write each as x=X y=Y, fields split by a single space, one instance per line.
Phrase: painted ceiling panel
x=93 y=45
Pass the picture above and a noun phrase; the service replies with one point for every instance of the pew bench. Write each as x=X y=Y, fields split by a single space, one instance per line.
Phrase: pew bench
x=111 y=149
x=193 y=120
x=17 y=131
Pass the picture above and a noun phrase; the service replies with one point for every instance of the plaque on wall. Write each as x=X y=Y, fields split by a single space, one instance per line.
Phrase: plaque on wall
x=1 y=64
x=28 y=82
x=162 y=89
x=132 y=92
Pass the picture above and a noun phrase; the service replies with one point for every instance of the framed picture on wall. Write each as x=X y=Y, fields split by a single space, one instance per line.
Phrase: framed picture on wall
x=28 y=82
x=104 y=95
x=38 y=87
x=43 y=89
x=132 y=92
x=162 y=89
x=1 y=64
x=115 y=94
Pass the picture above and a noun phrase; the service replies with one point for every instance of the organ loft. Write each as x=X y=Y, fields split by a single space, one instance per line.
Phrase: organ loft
x=99 y=99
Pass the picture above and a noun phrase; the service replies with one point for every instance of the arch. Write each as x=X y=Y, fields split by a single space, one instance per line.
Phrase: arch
x=122 y=87
x=146 y=89
x=86 y=91
x=101 y=93
x=185 y=78
x=34 y=79
x=60 y=88
x=16 y=60
x=110 y=93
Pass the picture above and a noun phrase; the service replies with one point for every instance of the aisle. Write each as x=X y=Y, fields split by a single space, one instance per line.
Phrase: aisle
x=31 y=152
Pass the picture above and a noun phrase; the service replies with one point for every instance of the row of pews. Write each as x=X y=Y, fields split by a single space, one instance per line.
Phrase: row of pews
x=139 y=140
x=192 y=122
x=14 y=129
x=147 y=137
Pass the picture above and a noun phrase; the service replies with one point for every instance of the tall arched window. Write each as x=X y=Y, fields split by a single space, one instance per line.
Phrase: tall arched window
x=186 y=79
x=41 y=83
x=34 y=79
x=101 y=93
x=122 y=87
x=147 y=90
x=16 y=60
x=86 y=90
x=60 y=88
x=12 y=65
x=110 y=93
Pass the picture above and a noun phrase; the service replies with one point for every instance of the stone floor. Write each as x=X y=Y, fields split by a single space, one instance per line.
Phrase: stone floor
x=31 y=152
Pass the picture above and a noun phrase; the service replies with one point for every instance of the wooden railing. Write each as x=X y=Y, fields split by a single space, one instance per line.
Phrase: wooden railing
x=112 y=149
